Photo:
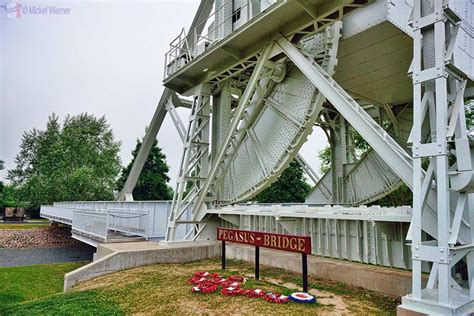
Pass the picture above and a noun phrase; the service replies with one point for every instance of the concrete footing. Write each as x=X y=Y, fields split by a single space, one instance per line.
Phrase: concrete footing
x=403 y=311
x=460 y=304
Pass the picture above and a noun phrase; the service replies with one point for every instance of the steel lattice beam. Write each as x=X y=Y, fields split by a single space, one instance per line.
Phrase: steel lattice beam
x=374 y=134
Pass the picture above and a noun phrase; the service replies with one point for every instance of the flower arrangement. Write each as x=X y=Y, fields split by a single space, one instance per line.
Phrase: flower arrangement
x=204 y=282
x=231 y=291
x=257 y=293
x=276 y=298
x=300 y=297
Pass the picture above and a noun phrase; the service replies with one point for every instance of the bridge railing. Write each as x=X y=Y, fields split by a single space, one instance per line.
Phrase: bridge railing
x=91 y=223
x=129 y=222
x=217 y=26
x=97 y=219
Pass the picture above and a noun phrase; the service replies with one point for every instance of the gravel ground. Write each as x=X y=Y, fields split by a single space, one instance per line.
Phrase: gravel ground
x=22 y=247
x=30 y=256
x=53 y=237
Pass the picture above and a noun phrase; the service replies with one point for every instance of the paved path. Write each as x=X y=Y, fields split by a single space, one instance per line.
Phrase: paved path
x=30 y=256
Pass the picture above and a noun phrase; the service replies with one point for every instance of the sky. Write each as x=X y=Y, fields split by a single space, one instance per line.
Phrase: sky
x=100 y=57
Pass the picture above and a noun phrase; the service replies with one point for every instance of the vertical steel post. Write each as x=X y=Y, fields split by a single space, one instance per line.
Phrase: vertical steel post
x=304 y=258
x=257 y=263
x=223 y=255
x=417 y=168
x=434 y=27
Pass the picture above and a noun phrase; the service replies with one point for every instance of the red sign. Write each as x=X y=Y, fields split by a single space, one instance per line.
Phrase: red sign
x=293 y=243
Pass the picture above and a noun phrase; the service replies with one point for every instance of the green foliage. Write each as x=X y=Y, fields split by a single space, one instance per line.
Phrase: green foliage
x=7 y=197
x=290 y=187
x=153 y=181
x=400 y=197
x=77 y=160
x=2 y=187
x=360 y=144
x=324 y=156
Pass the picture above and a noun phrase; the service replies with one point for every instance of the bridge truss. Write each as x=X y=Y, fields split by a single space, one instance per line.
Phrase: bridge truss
x=267 y=72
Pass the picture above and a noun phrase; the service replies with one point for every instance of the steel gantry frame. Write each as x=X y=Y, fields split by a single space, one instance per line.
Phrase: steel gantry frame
x=438 y=91
x=194 y=164
x=263 y=79
x=442 y=228
x=198 y=193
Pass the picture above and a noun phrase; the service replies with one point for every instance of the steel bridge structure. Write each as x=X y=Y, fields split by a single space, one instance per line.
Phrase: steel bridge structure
x=259 y=75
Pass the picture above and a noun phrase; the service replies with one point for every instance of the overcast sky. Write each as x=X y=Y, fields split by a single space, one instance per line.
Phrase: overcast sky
x=104 y=58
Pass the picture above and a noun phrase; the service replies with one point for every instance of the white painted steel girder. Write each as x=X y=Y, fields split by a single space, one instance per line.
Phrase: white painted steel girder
x=372 y=235
x=374 y=134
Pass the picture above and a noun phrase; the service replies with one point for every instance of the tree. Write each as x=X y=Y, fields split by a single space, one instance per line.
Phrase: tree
x=7 y=197
x=290 y=187
x=77 y=160
x=2 y=187
x=1 y=182
x=152 y=184
x=324 y=156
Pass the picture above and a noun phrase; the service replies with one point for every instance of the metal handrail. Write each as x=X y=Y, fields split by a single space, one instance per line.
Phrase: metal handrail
x=180 y=47
x=141 y=213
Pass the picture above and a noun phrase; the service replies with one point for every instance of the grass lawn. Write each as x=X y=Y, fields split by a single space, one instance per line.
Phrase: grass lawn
x=162 y=289
x=20 y=284
x=24 y=226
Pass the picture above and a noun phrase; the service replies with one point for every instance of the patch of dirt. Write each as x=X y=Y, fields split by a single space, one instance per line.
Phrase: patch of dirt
x=337 y=302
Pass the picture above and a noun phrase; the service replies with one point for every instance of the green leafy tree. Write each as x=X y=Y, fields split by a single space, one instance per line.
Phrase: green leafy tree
x=152 y=184
x=76 y=160
x=324 y=156
x=1 y=182
x=290 y=187
x=7 y=197
x=2 y=188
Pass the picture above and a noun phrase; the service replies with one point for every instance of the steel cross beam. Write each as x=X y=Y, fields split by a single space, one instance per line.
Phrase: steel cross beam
x=167 y=104
x=307 y=169
x=176 y=120
x=374 y=134
x=199 y=22
x=126 y=193
x=351 y=111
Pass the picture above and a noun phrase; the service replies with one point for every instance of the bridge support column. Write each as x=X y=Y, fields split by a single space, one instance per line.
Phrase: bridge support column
x=438 y=88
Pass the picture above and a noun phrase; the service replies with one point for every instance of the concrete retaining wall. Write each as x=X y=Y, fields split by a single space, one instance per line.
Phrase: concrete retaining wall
x=111 y=258
x=383 y=280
